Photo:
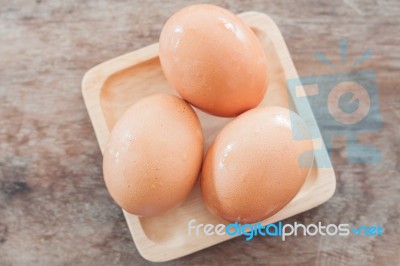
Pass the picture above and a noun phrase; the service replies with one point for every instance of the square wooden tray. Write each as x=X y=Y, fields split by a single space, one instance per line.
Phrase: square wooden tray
x=111 y=87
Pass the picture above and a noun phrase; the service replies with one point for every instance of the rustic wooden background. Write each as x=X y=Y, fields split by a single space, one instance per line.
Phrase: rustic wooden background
x=54 y=208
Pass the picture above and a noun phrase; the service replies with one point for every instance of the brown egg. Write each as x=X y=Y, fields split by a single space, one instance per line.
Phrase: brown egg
x=255 y=166
x=153 y=155
x=213 y=59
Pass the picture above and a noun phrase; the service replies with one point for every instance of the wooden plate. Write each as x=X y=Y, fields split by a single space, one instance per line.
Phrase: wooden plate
x=111 y=87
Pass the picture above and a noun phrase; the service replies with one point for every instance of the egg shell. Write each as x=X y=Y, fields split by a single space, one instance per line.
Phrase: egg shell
x=153 y=156
x=255 y=167
x=214 y=60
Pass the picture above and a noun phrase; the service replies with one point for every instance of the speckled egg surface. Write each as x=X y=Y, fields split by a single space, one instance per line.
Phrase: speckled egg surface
x=153 y=156
x=214 y=60
x=255 y=166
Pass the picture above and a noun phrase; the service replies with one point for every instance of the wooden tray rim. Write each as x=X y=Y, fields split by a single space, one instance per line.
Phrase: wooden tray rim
x=92 y=84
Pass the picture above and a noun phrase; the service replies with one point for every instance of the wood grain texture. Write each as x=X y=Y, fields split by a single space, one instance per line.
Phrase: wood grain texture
x=54 y=208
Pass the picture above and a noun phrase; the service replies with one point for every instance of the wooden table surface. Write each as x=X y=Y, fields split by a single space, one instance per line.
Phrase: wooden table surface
x=54 y=208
